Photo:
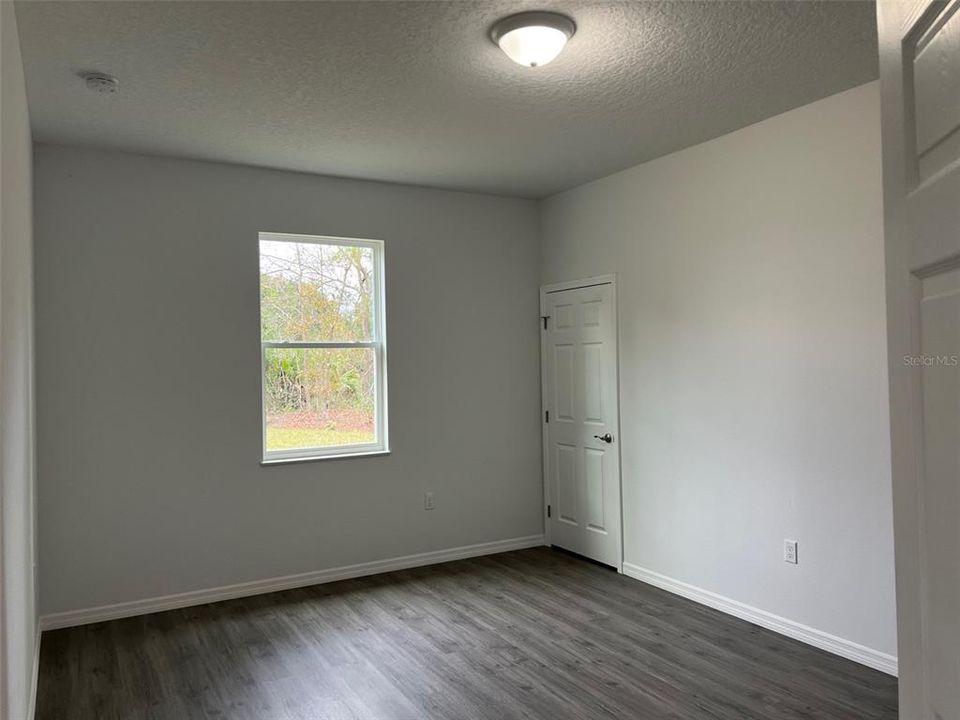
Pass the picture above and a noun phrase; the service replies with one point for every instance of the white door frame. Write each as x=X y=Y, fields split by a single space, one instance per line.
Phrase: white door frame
x=611 y=280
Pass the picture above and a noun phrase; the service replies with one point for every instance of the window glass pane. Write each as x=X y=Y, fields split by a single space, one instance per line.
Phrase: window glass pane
x=319 y=397
x=315 y=292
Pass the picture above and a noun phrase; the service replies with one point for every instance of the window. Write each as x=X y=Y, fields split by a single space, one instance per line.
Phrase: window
x=323 y=347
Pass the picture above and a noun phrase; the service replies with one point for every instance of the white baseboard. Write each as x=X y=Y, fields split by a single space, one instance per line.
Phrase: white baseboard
x=287 y=582
x=819 y=639
x=35 y=679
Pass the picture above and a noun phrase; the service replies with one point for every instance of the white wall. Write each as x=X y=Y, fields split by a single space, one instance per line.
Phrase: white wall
x=753 y=361
x=18 y=617
x=148 y=377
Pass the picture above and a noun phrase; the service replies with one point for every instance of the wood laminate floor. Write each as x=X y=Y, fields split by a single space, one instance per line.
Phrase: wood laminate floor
x=528 y=634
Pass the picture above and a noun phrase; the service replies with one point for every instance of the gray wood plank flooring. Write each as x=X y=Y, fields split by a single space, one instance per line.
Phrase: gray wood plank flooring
x=528 y=634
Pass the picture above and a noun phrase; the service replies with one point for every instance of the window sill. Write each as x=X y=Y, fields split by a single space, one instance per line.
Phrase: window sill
x=315 y=458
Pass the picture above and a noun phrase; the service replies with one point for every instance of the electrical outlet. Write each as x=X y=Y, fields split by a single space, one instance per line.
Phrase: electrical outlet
x=790 y=552
x=428 y=502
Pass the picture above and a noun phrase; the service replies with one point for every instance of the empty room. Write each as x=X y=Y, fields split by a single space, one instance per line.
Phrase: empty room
x=480 y=360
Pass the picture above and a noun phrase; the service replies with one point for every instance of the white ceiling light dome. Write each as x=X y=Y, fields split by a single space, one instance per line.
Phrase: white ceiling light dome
x=533 y=39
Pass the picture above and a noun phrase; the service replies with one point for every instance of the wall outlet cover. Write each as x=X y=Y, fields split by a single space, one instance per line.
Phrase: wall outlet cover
x=790 y=552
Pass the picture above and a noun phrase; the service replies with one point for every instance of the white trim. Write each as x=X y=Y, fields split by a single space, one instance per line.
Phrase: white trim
x=610 y=279
x=314 y=458
x=321 y=345
x=320 y=239
x=35 y=679
x=331 y=452
x=72 y=618
x=811 y=636
x=544 y=430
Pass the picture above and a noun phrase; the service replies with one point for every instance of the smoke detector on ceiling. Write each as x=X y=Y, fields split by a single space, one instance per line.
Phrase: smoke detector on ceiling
x=101 y=82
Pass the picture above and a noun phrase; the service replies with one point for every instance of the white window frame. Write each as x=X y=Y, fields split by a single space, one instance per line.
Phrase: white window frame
x=378 y=343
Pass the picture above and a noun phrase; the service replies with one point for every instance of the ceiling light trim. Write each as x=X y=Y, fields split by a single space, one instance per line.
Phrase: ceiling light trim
x=542 y=18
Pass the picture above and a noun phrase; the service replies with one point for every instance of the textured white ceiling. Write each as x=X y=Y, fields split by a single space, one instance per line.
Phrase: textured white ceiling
x=415 y=92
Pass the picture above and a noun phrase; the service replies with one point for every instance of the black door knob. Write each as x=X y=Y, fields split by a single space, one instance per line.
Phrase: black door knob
x=608 y=438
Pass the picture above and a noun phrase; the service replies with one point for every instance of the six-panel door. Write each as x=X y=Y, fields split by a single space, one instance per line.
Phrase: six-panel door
x=920 y=97
x=583 y=460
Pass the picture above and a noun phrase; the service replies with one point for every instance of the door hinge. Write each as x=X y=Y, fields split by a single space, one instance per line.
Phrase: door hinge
x=546 y=416
x=548 y=511
x=544 y=318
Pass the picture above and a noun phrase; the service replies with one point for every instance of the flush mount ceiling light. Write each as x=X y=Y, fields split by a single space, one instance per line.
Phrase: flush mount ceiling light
x=533 y=38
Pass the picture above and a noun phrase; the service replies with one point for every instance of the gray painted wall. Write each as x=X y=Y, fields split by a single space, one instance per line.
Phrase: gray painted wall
x=752 y=361
x=148 y=377
x=18 y=615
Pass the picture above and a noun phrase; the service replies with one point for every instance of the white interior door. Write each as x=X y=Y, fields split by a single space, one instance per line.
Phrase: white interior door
x=581 y=419
x=920 y=94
